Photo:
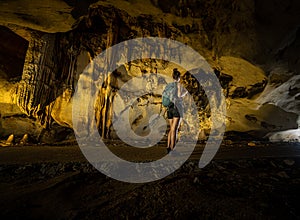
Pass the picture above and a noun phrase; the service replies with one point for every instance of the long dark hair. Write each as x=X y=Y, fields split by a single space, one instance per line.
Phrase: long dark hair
x=176 y=74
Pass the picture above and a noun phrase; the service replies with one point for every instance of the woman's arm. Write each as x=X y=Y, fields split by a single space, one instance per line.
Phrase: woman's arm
x=181 y=91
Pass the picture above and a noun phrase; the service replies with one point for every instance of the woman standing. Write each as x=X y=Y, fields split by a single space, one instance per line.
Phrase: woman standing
x=175 y=110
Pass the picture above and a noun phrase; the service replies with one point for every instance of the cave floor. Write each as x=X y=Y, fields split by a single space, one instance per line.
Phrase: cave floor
x=242 y=182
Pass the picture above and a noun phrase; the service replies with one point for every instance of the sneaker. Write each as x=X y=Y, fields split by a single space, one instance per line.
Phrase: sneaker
x=168 y=150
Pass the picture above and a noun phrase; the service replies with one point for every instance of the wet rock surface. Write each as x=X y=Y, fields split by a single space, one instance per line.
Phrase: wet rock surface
x=239 y=189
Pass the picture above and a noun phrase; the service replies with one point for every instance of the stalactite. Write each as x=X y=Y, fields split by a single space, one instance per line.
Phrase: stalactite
x=51 y=63
x=49 y=67
x=105 y=103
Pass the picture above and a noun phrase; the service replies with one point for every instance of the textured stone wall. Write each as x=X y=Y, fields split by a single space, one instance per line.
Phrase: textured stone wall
x=230 y=34
x=49 y=70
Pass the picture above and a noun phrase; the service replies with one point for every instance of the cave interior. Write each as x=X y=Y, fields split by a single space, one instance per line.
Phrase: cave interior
x=60 y=81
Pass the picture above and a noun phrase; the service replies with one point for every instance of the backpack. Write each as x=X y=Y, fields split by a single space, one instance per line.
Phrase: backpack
x=169 y=94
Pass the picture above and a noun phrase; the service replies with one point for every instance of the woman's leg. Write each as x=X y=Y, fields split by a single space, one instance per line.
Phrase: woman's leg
x=169 y=134
x=173 y=132
x=176 y=130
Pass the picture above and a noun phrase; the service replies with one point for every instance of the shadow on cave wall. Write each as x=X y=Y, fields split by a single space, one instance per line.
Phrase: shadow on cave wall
x=52 y=60
x=80 y=7
x=52 y=66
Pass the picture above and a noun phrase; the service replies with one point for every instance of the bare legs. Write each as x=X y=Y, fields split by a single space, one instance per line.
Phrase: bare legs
x=172 y=135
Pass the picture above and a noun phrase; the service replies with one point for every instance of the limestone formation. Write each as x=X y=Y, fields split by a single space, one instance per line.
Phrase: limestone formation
x=10 y=140
x=24 y=139
x=258 y=74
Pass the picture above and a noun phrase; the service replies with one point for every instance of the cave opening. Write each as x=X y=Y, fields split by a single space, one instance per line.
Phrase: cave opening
x=13 y=50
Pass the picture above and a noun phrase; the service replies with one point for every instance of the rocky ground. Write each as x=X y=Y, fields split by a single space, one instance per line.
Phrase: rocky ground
x=242 y=182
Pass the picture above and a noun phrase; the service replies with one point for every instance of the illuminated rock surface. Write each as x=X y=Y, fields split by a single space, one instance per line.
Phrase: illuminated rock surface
x=253 y=51
x=251 y=45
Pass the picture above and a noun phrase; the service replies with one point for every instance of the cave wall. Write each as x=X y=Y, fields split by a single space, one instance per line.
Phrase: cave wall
x=47 y=70
x=54 y=62
x=233 y=36
x=12 y=55
x=13 y=50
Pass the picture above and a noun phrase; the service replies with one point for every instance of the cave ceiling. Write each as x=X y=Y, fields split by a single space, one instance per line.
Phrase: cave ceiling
x=253 y=44
x=230 y=23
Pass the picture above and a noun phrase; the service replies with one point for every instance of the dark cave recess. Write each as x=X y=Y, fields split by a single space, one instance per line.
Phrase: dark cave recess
x=13 y=49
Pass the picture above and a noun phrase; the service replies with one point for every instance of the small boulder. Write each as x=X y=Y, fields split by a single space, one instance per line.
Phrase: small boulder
x=283 y=175
x=289 y=162
x=10 y=140
x=24 y=139
x=251 y=144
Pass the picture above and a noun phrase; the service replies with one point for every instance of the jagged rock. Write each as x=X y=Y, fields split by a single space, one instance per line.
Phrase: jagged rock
x=289 y=162
x=251 y=144
x=251 y=118
x=49 y=18
x=228 y=142
x=55 y=135
x=256 y=88
x=294 y=91
x=283 y=174
x=290 y=135
x=239 y=92
x=218 y=30
x=225 y=80
x=20 y=124
x=196 y=180
x=297 y=97
x=24 y=139
x=281 y=97
x=267 y=126
x=10 y=140
x=279 y=74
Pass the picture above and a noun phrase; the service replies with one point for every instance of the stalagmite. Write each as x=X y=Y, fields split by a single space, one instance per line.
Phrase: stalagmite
x=53 y=66
x=24 y=139
x=10 y=140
